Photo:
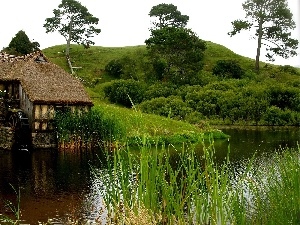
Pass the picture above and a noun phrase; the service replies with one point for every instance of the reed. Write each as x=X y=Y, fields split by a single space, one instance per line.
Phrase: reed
x=87 y=129
x=191 y=190
x=13 y=208
x=153 y=186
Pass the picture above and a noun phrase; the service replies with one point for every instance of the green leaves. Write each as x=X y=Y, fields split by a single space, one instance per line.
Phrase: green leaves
x=238 y=26
x=72 y=20
x=180 y=49
x=168 y=15
x=21 y=45
x=272 y=20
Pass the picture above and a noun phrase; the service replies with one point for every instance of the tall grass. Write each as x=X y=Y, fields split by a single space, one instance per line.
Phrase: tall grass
x=87 y=128
x=156 y=187
x=13 y=208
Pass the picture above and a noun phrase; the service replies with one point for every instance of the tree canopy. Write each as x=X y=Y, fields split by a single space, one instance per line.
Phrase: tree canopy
x=20 y=44
x=271 y=22
x=168 y=15
x=176 y=52
x=74 y=22
x=180 y=51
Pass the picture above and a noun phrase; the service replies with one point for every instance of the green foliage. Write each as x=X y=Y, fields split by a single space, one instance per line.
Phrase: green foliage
x=14 y=208
x=221 y=101
x=276 y=116
x=289 y=69
x=159 y=67
x=73 y=21
x=271 y=22
x=160 y=90
x=130 y=68
x=21 y=45
x=168 y=15
x=91 y=126
x=197 y=190
x=204 y=101
x=284 y=97
x=125 y=92
x=180 y=50
x=114 y=68
x=172 y=107
x=228 y=69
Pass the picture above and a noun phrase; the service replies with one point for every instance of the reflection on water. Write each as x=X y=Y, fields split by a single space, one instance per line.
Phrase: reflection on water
x=59 y=184
x=52 y=184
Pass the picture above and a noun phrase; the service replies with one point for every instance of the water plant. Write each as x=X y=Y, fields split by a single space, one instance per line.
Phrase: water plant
x=89 y=128
x=13 y=208
x=157 y=186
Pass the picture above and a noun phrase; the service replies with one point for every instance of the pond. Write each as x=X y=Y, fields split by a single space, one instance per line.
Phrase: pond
x=56 y=185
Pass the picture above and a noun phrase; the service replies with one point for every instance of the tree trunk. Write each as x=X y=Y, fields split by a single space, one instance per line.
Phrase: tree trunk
x=258 y=45
x=68 y=46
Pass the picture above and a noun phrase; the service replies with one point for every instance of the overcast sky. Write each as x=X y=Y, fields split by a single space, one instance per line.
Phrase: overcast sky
x=126 y=22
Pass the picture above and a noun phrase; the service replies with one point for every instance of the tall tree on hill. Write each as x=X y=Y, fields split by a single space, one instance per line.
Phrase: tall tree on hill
x=74 y=22
x=176 y=52
x=168 y=15
x=271 y=22
x=180 y=52
x=21 y=45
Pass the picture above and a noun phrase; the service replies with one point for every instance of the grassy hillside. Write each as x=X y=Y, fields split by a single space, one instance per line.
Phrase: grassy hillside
x=92 y=62
x=274 y=92
x=94 y=59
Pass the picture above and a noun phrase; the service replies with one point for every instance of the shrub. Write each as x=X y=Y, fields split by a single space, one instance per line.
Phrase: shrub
x=228 y=69
x=289 y=69
x=160 y=90
x=172 y=107
x=276 y=116
x=194 y=118
x=124 y=68
x=125 y=92
x=284 y=97
x=204 y=101
x=114 y=68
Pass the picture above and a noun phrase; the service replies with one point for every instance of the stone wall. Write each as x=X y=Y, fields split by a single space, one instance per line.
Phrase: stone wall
x=44 y=140
x=6 y=138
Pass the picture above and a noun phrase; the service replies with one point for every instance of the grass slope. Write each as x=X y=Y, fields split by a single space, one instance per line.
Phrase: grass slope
x=91 y=64
x=94 y=59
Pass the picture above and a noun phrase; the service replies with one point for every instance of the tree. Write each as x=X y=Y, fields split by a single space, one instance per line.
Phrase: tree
x=271 y=21
x=21 y=45
x=168 y=15
x=74 y=23
x=179 y=49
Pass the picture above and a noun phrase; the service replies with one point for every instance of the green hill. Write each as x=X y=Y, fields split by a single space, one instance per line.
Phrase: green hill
x=94 y=59
x=274 y=93
x=91 y=62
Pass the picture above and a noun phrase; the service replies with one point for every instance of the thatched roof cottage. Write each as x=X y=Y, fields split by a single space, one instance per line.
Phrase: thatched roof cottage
x=39 y=88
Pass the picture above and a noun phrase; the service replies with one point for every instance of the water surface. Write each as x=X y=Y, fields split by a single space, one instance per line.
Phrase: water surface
x=58 y=184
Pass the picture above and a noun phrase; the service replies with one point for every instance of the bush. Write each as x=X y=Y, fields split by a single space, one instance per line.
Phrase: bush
x=172 y=107
x=204 y=101
x=194 y=118
x=289 y=69
x=160 y=90
x=284 y=97
x=228 y=69
x=276 y=116
x=124 y=68
x=125 y=92
x=114 y=68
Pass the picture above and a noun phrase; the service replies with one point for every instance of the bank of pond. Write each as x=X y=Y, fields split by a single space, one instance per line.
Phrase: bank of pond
x=251 y=178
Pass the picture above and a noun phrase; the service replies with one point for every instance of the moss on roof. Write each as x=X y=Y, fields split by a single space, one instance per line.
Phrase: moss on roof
x=43 y=81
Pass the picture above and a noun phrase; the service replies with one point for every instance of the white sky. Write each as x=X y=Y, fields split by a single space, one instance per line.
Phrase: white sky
x=126 y=22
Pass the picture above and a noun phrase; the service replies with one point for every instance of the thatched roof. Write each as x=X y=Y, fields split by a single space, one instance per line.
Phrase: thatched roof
x=43 y=81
